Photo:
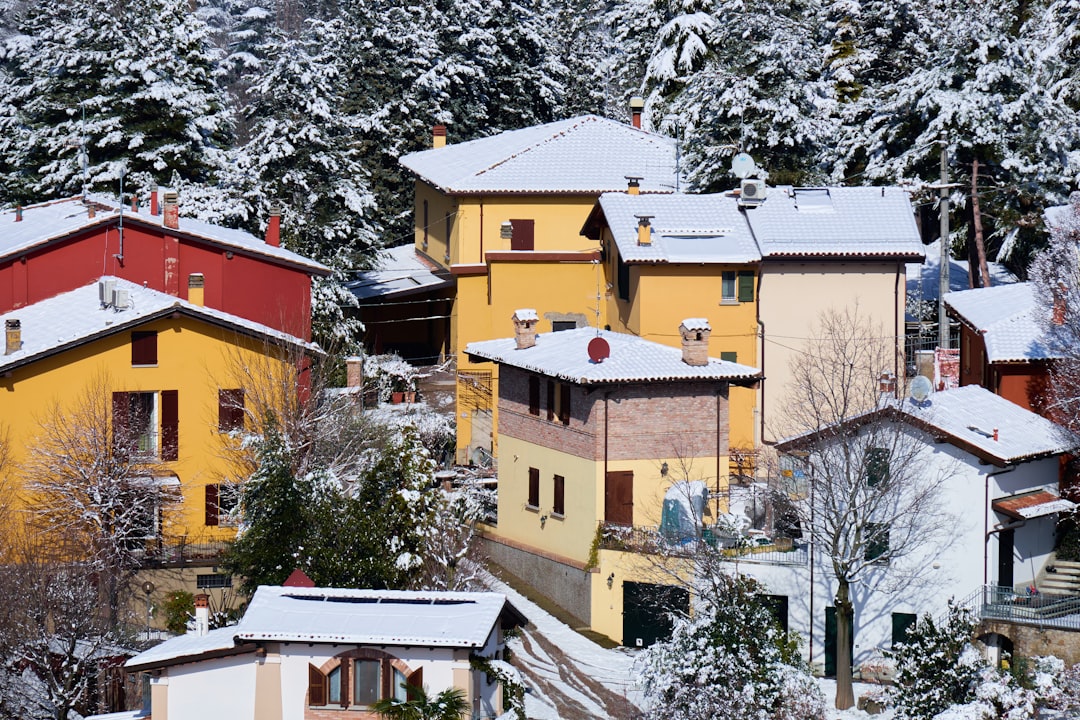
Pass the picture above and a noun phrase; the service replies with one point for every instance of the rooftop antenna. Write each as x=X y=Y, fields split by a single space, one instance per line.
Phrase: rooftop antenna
x=84 y=158
x=120 y=255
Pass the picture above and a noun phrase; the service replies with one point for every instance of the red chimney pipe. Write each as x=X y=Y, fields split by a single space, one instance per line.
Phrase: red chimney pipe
x=637 y=104
x=153 y=200
x=18 y=213
x=273 y=227
x=134 y=203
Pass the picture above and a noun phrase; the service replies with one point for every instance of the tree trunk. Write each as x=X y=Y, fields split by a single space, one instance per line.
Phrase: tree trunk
x=845 y=615
x=976 y=223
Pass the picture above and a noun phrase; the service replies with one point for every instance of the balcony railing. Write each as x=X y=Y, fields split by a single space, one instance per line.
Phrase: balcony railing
x=206 y=553
x=1041 y=610
x=650 y=540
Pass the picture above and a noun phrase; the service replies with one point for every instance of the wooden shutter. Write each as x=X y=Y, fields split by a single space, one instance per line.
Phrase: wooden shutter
x=534 y=487
x=746 y=287
x=213 y=504
x=121 y=409
x=534 y=395
x=386 y=672
x=619 y=497
x=343 y=701
x=550 y=399
x=558 y=506
x=316 y=686
x=415 y=682
x=170 y=425
x=230 y=410
x=144 y=348
x=564 y=403
x=522 y=235
x=877 y=466
x=729 y=356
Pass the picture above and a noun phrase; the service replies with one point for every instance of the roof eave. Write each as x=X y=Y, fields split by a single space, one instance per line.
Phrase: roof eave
x=240 y=649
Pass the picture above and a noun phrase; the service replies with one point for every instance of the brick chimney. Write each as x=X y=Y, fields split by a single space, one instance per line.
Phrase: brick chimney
x=171 y=217
x=525 y=328
x=644 y=230
x=18 y=213
x=637 y=104
x=438 y=136
x=91 y=211
x=196 y=289
x=273 y=226
x=154 y=210
x=202 y=614
x=13 y=335
x=134 y=203
x=354 y=371
x=633 y=185
x=887 y=383
x=695 y=341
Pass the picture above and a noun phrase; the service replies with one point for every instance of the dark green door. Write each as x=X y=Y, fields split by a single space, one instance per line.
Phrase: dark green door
x=830 y=641
x=647 y=611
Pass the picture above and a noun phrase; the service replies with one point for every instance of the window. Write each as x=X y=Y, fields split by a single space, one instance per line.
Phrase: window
x=877 y=466
x=560 y=325
x=778 y=607
x=211 y=581
x=424 y=246
x=534 y=488
x=727 y=287
x=333 y=686
x=534 y=395
x=622 y=278
x=221 y=503
x=877 y=542
x=360 y=683
x=136 y=423
x=550 y=400
x=901 y=623
x=522 y=235
x=144 y=348
x=367 y=682
x=230 y=410
x=729 y=356
x=449 y=232
x=400 y=689
x=558 y=504
x=746 y=286
x=563 y=408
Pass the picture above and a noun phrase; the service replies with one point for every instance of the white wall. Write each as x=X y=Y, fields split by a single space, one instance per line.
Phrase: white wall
x=221 y=688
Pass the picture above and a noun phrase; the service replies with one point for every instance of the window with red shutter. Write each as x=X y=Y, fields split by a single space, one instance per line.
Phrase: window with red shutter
x=534 y=487
x=558 y=505
x=230 y=410
x=121 y=424
x=550 y=400
x=522 y=237
x=213 y=509
x=564 y=403
x=534 y=395
x=144 y=348
x=170 y=425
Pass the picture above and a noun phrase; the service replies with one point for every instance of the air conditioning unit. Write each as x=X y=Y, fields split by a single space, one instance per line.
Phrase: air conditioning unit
x=121 y=298
x=105 y=291
x=752 y=190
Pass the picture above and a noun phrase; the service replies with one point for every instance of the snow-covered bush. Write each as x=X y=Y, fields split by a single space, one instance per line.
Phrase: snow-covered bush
x=730 y=660
x=390 y=374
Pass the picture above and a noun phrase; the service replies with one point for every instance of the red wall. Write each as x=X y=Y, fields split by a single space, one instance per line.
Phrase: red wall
x=244 y=285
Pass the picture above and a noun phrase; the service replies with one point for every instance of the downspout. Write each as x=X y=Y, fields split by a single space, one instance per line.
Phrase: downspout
x=896 y=330
x=987 y=532
x=717 y=519
x=482 y=230
x=761 y=358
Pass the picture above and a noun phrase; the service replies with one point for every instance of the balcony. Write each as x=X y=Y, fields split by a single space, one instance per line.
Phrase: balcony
x=756 y=547
x=993 y=603
x=160 y=555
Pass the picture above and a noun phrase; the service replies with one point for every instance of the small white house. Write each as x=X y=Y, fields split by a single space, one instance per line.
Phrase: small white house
x=309 y=652
x=1001 y=500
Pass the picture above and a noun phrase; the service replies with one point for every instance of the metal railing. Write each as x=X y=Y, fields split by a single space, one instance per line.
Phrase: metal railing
x=1042 y=610
x=650 y=540
x=183 y=554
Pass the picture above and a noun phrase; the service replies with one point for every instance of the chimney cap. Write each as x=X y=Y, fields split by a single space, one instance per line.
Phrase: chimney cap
x=439 y=130
x=637 y=102
x=526 y=315
x=696 y=324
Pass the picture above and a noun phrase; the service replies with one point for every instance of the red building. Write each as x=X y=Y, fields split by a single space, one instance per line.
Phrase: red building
x=54 y=247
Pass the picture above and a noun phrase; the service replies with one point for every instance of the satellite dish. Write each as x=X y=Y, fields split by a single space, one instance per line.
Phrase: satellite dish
x=921 y=387
x=599 y=350
x=742 y=166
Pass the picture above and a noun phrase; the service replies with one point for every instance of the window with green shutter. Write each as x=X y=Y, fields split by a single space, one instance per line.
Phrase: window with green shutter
x=746 y=286
x=729 y=356
x=877 y=466
x=901 y=623
x=877 y=542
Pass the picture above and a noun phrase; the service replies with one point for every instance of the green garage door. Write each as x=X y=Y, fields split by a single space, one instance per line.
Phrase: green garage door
x=647 y=611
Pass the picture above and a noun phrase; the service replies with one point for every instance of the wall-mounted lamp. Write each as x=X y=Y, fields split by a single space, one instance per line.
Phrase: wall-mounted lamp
x=543 y=521
x=610 y=580
x=663 y=470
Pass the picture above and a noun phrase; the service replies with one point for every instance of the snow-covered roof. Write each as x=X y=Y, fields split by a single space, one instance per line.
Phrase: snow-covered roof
x=46 y=222
x=78 y=316
x=565 y=355
x=685 y=228
x=836 y=221
x=1005 y=316
x=923 y=278
x=399 y=271
x=790 y=222
x=190 y=645
x=586 y=154
x=978 y=421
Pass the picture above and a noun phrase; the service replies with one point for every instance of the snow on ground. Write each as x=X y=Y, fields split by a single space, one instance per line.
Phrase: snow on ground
x=569 y=677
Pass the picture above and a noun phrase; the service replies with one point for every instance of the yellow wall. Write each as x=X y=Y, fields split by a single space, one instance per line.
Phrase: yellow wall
x=194 y=358
x=607 y=602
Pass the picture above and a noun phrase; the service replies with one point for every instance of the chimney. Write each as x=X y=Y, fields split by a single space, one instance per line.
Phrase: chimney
x=644 y=230
x=354 y=371
x=525 y=328
x=637 y=104
x=273 y=226
x=154 y=210
x=91 y=211
x=172 y=210
x=134 y=203
x=18 y=213
x=886 y=383
x=695 y=341
x=195 y=289
x=438 y=136
x=13 y=332
x=633 y=185
x=202 y=614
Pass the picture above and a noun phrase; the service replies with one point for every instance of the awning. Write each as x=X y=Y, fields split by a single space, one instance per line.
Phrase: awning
x=1034 y=504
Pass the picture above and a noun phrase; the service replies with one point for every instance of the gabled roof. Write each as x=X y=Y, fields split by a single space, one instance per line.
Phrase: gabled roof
x=1005 y=316
x=975 y=420
x=565 y=355
x=398 y=272
x=47 y=222
x=856 y=222
x=582 y=155
x=78 y=317
x=346 y=616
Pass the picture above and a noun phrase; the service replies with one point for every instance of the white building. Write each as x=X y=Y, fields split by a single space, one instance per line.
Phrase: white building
x=303 y=652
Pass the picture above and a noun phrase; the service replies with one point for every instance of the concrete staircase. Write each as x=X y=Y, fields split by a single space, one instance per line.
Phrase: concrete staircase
x=1061 y=577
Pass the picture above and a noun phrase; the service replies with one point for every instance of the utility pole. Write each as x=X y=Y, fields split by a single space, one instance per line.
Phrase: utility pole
x=943 y=275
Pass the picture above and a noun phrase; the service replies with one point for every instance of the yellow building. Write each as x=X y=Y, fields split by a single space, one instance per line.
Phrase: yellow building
x=115 y=361
x=605 y=435
x=503 y=216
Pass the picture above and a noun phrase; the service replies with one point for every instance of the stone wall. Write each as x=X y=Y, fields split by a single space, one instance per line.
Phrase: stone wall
x=566 y=585
x=1030 y=641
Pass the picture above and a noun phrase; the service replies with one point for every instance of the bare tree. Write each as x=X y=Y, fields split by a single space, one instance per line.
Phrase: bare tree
x=872 y=503
x=94 y=494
